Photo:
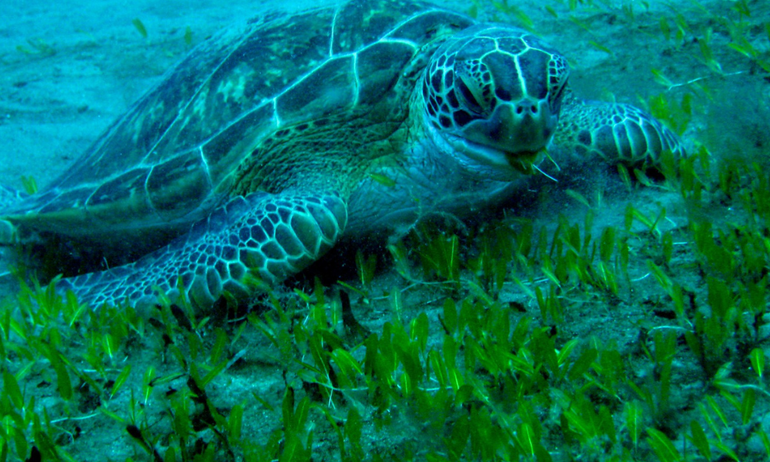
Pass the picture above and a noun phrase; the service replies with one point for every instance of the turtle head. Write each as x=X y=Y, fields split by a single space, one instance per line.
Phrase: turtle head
x=492 y=94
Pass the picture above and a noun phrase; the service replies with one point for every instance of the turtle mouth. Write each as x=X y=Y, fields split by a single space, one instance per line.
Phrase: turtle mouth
x=526 y=161
x=523 y=161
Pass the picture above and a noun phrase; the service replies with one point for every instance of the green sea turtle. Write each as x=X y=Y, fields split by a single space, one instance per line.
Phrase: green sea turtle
x=273 y=139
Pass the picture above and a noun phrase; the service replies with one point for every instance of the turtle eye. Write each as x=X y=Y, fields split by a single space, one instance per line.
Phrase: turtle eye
x=473 y=87
x=467 y=95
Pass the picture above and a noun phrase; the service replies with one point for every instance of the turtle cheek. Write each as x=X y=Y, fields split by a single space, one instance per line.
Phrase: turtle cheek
x=558 y=75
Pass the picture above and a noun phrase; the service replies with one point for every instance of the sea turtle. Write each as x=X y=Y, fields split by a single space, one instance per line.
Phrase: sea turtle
x=275 y=138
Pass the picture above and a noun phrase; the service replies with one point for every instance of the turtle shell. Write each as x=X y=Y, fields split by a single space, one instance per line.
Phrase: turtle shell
x=283 y=101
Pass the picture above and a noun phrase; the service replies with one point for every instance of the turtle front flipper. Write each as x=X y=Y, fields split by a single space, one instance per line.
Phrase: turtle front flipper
x=619 y=133
x=268 y=236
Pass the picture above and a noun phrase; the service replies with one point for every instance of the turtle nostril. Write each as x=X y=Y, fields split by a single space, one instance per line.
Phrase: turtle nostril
x=527 y=107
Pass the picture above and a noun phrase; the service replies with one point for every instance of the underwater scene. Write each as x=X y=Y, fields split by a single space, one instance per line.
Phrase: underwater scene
x=385 y=230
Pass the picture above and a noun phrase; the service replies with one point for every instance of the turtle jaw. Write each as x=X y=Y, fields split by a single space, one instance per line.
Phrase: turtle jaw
x=515 y=133
x=522 y=162
x=512 y=139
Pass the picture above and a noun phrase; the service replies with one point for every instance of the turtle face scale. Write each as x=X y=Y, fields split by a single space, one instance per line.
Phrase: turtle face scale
x=493 y=94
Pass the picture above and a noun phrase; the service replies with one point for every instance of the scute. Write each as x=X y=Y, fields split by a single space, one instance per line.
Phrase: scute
x=355 y=25
x=377 y=63
x=114 y=191
x=178 y=185
x=331 y=88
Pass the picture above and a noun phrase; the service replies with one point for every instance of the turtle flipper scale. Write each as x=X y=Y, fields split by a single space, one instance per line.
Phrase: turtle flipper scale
x=619 y=133
x=266 y=235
